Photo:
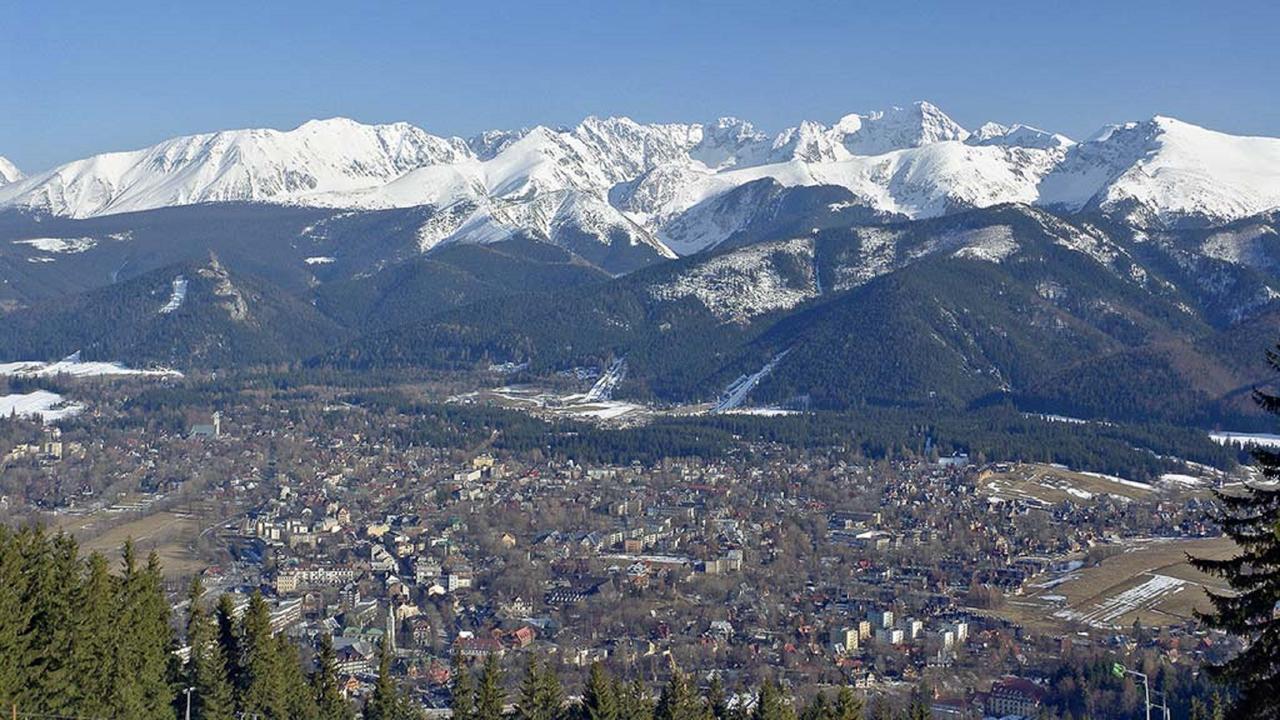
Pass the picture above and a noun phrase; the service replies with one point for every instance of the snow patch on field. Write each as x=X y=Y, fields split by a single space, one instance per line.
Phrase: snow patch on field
x=73 y=367
x=1118 y=480
x=1265 y=440
x=762 y=411
x=48 y=407
x=1105 y=612
x=1179 y=479
x=59 y=245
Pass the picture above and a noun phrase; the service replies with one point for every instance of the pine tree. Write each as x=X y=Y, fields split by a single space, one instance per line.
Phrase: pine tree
x=330 y=703
x=1251 y=517
x=919 y=709
x=97 y=637
x=817 y=709
x=541 y=696
x=490 y=695
x=881 y=710
x=13 y=617
x=149 y=644
x=262 y=690
x=633 y=701
x=1197 y=710
x=206 y=671
x=772 y=703
x=677 y=701
x=53 y=573
x=228 y=638
x=1219 y=708
x=600 y=695
x=848 y=706
x=551 y=694
x=717 y=703
x=462 y=691
x=385 y=703
x=297 y=701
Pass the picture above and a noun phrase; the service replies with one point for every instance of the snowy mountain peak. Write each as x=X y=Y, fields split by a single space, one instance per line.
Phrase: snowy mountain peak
x=255 y=165
x=897 y=128
x=1168 y=171
x=1018 y=136
x=8 y=171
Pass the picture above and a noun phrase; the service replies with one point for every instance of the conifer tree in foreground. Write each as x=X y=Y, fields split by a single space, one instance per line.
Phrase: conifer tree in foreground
x=330 y=704
x=385 y=703
x=600 y=695
x=772 y=703
x=1251 y=517
x=678 y=700
x=262 y=682
x=717 y=703
x=98 y=636
x=462 y=692
x=297 y=701
x=490 y=695
x=541 y=695
x=848 y=706
x=228 y=638
x=633 y=701
x=206 y=671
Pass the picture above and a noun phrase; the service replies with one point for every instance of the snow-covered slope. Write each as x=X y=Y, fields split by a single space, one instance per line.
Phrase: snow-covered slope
x=1167 y=171
x=660 y=186
x=236 y=165
x=8 y=171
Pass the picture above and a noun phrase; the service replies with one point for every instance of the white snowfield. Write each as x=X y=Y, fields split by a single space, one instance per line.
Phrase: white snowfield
x=60 y=245
x=49 y=407
x=658 y=184
x=73 y=366
x=1264 y=440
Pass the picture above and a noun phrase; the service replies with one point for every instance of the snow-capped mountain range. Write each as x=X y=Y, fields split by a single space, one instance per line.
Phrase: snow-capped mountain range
x=665 y=186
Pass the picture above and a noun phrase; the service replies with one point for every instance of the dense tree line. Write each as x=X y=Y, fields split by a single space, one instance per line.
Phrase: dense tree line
x=480 y=695
x=77 y=640
x=998 y=433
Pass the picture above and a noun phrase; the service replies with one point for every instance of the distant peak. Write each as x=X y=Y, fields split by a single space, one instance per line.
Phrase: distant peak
x=8 y=171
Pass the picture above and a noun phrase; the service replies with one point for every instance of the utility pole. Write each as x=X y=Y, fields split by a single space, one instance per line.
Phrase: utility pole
x=188 y=692
x=1120 y=671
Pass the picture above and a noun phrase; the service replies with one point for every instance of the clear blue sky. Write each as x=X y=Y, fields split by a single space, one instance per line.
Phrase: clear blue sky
x=78 y=78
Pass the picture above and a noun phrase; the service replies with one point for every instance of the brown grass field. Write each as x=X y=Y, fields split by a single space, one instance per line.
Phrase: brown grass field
x=1151 y=582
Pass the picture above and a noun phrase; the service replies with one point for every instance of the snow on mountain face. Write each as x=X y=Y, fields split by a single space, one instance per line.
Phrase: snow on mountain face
x=741 y=285
x=236 y=165
x=621 y=181
x=8 y=171
x=1168 y=170
x=1018 y=136
x=898 y=129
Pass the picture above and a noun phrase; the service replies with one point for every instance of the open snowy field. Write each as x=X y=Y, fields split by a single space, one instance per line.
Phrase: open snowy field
x=48 y=406
x=1266 y=440
x=75 y=368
